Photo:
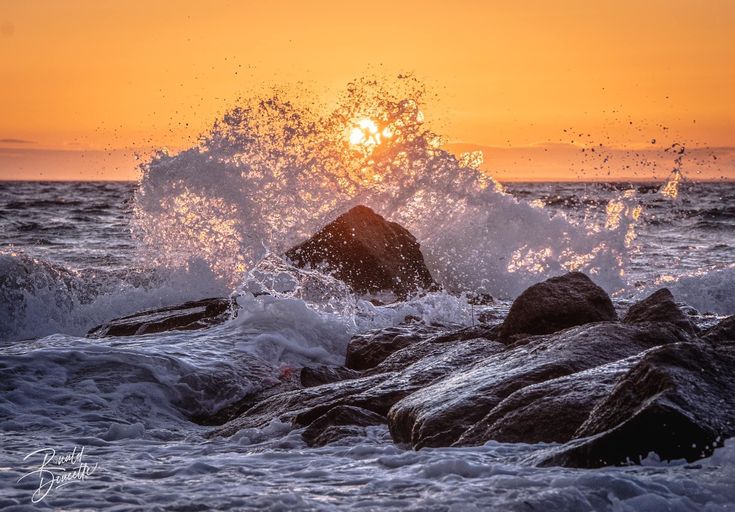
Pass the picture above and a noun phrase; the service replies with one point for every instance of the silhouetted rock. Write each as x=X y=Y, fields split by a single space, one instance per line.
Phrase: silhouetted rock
x=659 y=307
x=675 y=402
x=367 y=252
x=183 y=317
x=330 y=426
x=723 y=331
x=439 y=414
x=558 y=303
x=316 y=376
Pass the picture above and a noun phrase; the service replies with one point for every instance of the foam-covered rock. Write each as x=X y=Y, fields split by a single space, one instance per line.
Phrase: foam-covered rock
x=367 y=252
x=558 y=303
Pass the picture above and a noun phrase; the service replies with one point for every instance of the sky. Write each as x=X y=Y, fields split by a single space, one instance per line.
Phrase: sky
x=84 y=85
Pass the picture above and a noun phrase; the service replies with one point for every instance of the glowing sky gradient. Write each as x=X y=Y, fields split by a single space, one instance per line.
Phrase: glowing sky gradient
x=99 y=78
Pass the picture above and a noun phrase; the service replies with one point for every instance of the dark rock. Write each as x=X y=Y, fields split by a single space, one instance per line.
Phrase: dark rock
x=316 y=376
x=439 y=414
x=367 y=252
x=321 y=431
x=723 y=331
x=183 y=317
x=558 y=303
x=676 y=402
x=368 y=350
x=547 y=412
x=659 y=307
x=287 y=406
x=376 y=393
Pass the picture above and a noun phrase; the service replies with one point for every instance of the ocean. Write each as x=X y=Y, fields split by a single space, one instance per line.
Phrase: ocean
x=126 y=417
x=72 y=257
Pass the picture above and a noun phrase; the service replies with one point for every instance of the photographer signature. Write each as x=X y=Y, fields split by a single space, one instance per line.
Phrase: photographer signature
x=56 y=471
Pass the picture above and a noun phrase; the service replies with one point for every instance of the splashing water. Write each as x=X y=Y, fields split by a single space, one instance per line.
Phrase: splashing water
x=670 y=189
x=276 y=168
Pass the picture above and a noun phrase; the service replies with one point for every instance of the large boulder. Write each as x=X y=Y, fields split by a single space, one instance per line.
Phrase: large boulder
x=676 y=402
x=368 y=253
x=659 y=307
x=550 y=411
x=558 y=303
x=441 y=413
x=183 y=317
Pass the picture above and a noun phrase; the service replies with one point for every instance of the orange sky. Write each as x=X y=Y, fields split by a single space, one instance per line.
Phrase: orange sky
x=91 y=79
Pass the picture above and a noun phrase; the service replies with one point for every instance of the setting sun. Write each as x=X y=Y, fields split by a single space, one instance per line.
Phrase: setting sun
x=367 y=133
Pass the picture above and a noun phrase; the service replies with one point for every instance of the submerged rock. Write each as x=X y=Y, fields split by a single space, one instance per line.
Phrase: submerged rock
x=558 y=303
x=368 y=253
x=659 y=307
x=183 y=317
x=675 y=402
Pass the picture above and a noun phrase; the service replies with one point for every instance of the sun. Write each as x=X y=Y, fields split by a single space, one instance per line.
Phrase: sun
x=366 y=133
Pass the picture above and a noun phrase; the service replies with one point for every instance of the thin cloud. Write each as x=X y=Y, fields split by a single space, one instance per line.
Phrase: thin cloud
x=16 y=141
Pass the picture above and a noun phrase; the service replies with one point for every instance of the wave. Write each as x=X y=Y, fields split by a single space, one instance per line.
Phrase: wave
x=275 y=168
x=39 y=298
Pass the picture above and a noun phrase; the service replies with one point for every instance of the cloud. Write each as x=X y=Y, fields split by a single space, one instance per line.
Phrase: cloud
x=16 y=141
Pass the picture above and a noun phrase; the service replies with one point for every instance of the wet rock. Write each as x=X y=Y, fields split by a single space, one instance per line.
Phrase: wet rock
x=287 y=406
x=723 y=331
x=558 y=303
x=367 y=350
x=547 y=412
x=659 y=307
x=439 y=414
x=316 y=376
x=183 y=317
x=367 y=252
x=676 y=402
x=329 y=427
x=376 y=393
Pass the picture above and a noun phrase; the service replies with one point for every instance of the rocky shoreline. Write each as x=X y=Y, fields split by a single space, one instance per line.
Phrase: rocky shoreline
x=560 y=368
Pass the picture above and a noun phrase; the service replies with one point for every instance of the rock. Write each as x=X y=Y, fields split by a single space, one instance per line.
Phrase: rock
x=547 y=412
x=723 y=331
x=287 y=406
x=316 y=376
x=183 y=317
x=368 y=253
x=367 y=350
x=328 y=427
x=676 y=402
x=439 y=414
x=558 y=303
x=659 y=307
x=376 y=393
